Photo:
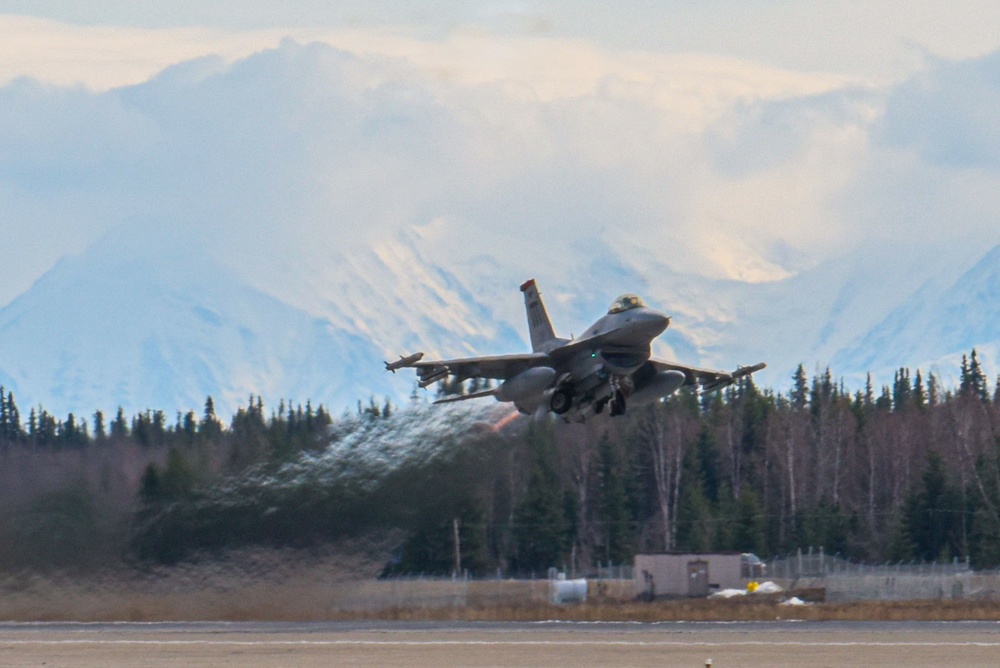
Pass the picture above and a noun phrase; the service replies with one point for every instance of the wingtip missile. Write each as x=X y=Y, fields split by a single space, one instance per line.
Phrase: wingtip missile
x=404 y=362
x=728 y=379
x=747 y=370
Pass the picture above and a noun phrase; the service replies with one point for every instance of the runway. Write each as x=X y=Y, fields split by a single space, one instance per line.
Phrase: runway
x=437 y=644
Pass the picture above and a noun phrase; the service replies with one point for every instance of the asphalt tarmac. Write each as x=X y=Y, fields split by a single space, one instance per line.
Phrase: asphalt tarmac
x=437 y=644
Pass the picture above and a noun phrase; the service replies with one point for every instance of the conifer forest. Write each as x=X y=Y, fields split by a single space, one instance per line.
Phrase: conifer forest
x=907 y=471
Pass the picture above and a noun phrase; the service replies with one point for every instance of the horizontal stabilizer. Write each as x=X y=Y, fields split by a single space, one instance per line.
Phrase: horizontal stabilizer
x=474 y=395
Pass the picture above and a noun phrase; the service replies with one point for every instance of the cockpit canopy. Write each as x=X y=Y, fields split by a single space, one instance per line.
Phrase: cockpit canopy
x=626 y=303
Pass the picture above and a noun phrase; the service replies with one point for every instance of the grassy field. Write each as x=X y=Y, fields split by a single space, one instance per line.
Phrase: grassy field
x=51 y=600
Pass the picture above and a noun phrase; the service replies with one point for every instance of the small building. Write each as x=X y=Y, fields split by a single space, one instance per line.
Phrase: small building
x=693 y=574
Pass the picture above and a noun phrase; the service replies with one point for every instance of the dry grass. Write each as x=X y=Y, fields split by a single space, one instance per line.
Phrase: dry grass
x=282 y=586
x=712 y=610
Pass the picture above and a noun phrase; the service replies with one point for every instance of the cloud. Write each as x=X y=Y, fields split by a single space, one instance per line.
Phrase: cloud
x=948 y=114
x=309 y=148
x=882 y=42
x=294 y=156
x=931 y=170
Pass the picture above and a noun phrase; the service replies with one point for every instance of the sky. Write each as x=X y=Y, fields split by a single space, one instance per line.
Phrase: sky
x=741 y=140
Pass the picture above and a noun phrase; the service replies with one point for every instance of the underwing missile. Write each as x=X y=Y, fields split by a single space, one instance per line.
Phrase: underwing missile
x=403 y=362
x=433 y=377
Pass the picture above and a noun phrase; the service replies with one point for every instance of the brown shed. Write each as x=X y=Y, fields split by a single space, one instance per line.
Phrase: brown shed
x=693 y=574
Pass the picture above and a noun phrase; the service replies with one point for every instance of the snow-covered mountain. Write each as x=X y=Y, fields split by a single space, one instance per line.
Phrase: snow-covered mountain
x=163 y=331
x=819 y=317
x=936 y=325
x=138 y=326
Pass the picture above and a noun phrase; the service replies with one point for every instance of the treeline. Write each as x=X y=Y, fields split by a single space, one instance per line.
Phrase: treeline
x=906 y=471
x=72 y=491
x=289 y=428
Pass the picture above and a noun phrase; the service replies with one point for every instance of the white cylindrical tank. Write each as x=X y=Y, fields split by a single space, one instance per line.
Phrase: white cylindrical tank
x=567 y=591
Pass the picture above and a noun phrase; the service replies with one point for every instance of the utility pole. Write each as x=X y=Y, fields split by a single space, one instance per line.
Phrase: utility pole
x=458 y=548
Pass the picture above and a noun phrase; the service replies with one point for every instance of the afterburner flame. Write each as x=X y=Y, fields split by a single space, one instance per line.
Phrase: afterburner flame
x=505 y=420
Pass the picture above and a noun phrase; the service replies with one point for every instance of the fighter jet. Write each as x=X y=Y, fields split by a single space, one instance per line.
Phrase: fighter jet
x=610 y=366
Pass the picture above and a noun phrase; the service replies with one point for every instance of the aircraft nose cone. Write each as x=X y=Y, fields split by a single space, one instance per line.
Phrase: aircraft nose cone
x=662 y=322
x=649 y=323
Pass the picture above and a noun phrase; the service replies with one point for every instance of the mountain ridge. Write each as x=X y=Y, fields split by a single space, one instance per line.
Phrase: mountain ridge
x=165 y=328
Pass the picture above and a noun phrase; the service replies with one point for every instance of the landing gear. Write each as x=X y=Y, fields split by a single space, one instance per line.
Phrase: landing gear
x=617 y=398
x=617 y=404
x=561 y=401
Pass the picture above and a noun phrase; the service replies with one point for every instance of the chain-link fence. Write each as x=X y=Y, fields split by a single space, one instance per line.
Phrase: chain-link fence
x=816 y=564
x=604 y=583
x=845 y=580
x=842 y=580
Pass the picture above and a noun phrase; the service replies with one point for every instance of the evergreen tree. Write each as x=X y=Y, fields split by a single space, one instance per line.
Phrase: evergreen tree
x=10 y=418
x=150 y=486
x=210 y=427
x=4 y=426
x=800 y=389
x=694 y=514
x=932 y=516
x=884 y=401
x=828 y=526
x=119 y=427
x=33 y=425
x=14 y=418
x=540 y=528
x=615 y=518
x=175 y=482
x=822 y=391
x=372 y=411
x=984 y=538
x=708 y=473
x=972 y=380
x=965 y=380
x=189 y=426
x=158 y=427
x=748 y=534
x=902 y=396
x=977 y=378
x=142 y=428
x=430 y=549
x=99 y=432
x=48 y=428
x=72 y=433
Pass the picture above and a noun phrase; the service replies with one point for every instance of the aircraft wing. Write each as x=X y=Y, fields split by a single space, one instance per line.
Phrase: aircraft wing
x=709 y=379
x=498 y=367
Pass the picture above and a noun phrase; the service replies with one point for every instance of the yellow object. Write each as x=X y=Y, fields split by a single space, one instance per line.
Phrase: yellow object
x=752 y=587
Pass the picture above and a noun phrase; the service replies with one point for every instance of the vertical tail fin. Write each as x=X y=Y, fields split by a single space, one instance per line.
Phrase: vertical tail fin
x=539 y=326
